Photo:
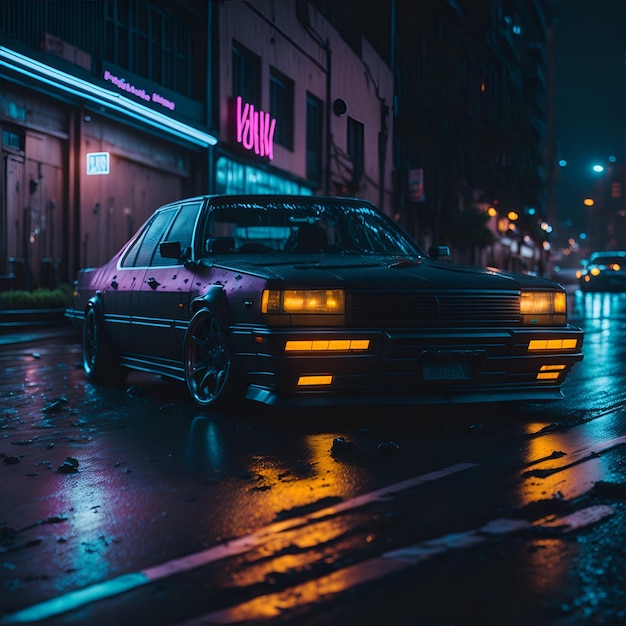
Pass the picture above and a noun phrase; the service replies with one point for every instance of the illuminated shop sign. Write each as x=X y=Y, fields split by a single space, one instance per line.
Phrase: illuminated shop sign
x=124 y=85
x=58 y=80
x=254 y=129
x=98 y=163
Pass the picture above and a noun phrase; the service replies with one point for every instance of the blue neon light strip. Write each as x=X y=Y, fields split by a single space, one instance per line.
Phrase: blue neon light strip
x=76 y=599
x=78 y=87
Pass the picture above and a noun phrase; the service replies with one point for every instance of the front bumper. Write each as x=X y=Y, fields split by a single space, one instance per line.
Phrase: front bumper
x=434 y=366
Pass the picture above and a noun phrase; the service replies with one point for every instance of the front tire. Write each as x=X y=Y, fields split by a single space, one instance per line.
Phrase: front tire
x=209 y=369
x=99 y=361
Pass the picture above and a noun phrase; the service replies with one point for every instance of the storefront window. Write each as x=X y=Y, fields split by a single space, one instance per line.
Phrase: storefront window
x=234 y=177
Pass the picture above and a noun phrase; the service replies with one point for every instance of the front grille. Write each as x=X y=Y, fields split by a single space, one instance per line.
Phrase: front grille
x=404 y=310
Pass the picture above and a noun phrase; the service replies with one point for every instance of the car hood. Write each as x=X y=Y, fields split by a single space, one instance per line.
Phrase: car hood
x=380 y=273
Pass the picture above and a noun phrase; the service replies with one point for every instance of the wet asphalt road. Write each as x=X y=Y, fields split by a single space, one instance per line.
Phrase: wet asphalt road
x=130 y=505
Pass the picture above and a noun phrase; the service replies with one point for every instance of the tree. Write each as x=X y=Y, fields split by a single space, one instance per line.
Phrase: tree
x=469 y=232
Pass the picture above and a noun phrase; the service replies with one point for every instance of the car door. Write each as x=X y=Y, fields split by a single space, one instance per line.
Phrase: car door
x=162 y=304
x=117 y=298
x=120 y=295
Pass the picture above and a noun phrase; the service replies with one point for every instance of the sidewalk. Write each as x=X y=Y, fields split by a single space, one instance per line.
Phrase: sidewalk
x=33 y=325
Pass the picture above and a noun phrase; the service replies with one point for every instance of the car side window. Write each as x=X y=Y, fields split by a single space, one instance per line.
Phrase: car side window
x=141 y=252
x=181 y=230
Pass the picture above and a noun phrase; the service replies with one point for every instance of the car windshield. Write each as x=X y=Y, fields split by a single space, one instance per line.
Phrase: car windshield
x=304 y=226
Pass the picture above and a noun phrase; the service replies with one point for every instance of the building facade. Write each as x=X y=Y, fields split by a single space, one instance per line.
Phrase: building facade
x=110 y=109
x=103 y=118
x=329 y=109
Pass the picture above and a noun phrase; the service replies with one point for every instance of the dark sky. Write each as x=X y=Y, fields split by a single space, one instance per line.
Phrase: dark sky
x=589 y=93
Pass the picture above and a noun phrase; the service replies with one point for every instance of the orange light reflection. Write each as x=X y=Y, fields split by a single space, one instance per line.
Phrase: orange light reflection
x=272 y=560
x=313 y=541
x=548 y=559
x=274 y=605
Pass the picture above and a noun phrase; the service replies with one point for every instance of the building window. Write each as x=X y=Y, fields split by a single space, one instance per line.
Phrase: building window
x=314 y=138
x=355 y=147
x=13 y=140
x=150 y=42
x=246 y=75
x=281 y=108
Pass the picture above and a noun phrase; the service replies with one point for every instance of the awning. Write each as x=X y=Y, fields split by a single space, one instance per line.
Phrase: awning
x=68 y=83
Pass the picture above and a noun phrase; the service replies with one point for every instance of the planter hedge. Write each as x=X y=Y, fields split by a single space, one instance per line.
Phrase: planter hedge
x=19 y=299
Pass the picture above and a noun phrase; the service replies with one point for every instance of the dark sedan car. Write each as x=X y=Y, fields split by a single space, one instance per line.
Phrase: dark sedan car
x=604 y=271
x=289 y=300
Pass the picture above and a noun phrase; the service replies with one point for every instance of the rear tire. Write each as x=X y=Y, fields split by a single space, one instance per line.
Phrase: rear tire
x=99 y=361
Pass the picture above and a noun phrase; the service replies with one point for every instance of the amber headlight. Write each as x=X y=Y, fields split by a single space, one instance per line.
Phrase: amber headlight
x=543 y=307
x=303 y=301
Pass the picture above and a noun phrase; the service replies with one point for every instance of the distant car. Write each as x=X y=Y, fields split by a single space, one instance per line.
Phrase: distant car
x=305 y=300
x=604 y=271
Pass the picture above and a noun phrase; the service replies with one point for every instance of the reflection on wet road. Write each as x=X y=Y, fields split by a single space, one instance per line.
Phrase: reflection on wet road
x=178 y=516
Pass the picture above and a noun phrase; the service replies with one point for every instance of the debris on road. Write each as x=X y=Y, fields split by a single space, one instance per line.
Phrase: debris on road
x=387 y=448
x=56 y=406
x=342 y=446
x=69 y=466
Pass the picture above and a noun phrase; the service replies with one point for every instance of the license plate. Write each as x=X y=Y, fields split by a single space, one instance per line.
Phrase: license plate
x=447 y=371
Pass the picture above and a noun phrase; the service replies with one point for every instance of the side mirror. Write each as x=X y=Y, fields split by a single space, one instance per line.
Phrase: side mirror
x=438 y=252
x=170 y=249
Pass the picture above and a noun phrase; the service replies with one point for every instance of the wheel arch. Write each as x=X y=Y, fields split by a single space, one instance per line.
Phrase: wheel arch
x=95 y=302
x=215 y=301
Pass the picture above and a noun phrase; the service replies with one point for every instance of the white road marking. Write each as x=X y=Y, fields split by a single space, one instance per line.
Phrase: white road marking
x=263 y=608
x=126 y=582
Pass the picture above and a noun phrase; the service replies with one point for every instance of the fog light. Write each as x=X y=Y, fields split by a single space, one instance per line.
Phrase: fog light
x=552 y=344
x=550 y=372
x=316 y=379
x=323 y=345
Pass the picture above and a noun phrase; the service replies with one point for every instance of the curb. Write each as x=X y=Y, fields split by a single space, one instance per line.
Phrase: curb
x=29 y=325
x=19 y=318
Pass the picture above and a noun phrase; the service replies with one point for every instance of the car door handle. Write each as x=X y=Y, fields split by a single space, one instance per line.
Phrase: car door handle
x=153 y=283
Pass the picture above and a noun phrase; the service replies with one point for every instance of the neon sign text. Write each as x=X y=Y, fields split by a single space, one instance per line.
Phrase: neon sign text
x=121 y=83
x=255 y=129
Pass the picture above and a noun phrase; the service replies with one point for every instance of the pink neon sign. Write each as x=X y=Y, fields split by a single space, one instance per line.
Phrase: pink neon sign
x=124 y=85
x=255 y=129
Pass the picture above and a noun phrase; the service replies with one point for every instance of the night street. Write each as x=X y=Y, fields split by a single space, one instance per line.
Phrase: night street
x=313 y=315
x=131 y=505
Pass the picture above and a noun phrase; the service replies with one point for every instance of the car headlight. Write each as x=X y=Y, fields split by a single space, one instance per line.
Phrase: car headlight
x=303 y=301
x=543 y=307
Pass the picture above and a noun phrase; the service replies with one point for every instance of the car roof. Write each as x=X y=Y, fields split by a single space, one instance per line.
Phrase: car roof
x=264 y=197
x=608 y=254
